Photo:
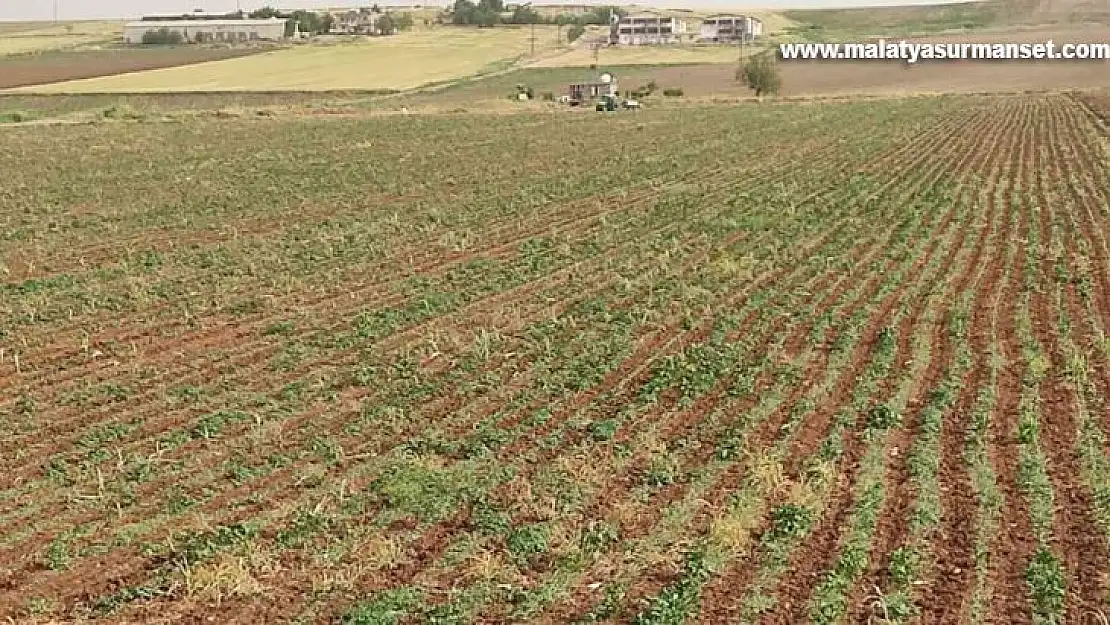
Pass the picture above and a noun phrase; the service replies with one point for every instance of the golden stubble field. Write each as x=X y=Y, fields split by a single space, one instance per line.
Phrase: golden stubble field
x=407 y=60
x=26 y=37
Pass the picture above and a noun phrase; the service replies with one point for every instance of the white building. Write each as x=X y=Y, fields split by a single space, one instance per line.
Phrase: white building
x=728 y=28
x=355 y=22
x=649 y=29
x=205 y=30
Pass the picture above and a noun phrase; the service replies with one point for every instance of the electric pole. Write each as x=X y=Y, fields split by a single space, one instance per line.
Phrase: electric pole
x=55 y=11
x=532 y=18
x=740 y=40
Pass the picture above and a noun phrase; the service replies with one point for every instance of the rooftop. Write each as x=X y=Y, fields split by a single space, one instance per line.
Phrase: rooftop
x=154 y=25
x=647 y=16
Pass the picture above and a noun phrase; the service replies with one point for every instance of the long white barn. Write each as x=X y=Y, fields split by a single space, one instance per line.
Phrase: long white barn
x=209 y=30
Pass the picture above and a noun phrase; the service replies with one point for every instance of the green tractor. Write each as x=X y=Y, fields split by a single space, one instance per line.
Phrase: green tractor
x=607 y=103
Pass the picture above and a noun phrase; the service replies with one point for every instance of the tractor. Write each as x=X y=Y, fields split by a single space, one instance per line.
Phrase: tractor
x=606 y=103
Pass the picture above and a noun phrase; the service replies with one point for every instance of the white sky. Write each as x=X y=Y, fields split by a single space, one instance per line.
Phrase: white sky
x=29 y=10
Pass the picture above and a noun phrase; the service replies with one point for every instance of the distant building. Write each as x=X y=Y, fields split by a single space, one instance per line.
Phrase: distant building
x=755 y=28
x=568 y=9
x=729 y=28
x=355 y=22
x=209 y=30
x=649 y=29
x=195 y=15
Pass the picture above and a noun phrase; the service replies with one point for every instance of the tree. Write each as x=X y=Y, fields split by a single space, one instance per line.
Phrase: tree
x=486 y=18
x=390 y=23
x=525 y=15
x=264 y=13
x=403 y=21
x=600 y=16
x=574 y=32
x=493 y=6
x=462 y=12
x=309 y=21
x=563 y=19
x=163 y=36
x=761 y=74
x=489 y=12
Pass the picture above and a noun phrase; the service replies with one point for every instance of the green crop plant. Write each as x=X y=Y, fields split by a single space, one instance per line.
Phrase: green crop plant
x=402 y=366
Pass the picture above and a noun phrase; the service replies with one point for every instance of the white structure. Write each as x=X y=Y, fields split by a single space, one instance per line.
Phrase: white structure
x=648 y=29
x=605 y=85
x=728 y=28
x=355 y=22
x=204 y=30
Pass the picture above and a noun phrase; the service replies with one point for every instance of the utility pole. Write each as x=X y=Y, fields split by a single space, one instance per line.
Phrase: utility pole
x=55 y=11
x=740 y=40
x=532 y=18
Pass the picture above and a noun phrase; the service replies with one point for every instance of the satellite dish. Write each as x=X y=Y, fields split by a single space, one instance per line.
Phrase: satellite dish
x=606 y=78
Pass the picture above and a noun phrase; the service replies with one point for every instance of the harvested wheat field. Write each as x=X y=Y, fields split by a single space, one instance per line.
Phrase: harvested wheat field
x=391 y=371
x=55 y=66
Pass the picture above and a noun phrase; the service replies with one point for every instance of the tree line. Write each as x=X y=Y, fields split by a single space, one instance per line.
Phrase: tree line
x=488 y=13
x=309 y=21
x=319 y=23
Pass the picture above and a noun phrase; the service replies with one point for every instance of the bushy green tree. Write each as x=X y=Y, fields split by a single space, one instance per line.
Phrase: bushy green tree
x=403 y=21
x=390 y=23
x=574 y=32
x=525 y=15
x=462 y=12
x=385 y=25
x=600 y=15
x=163 y=37
x=485 y=13
x=761 y=74
x=264 y=13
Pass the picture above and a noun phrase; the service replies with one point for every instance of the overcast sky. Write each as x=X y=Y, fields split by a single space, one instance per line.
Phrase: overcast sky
x=107 y=9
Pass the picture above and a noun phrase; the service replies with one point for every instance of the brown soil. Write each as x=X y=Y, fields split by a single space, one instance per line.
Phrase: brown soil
x=721 y=594
x=1014 y=544
x=820 y=548
x=1077 y=537
x=892 y=528
x=831 y=78
x=954 y=548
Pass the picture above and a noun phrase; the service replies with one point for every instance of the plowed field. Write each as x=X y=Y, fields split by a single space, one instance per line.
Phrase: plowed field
x=829 y=363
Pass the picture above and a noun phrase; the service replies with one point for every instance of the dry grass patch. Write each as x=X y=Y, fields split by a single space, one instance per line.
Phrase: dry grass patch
x=226 y=576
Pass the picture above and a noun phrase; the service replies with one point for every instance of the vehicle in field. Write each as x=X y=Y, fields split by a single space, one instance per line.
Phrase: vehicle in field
x=606 y=103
